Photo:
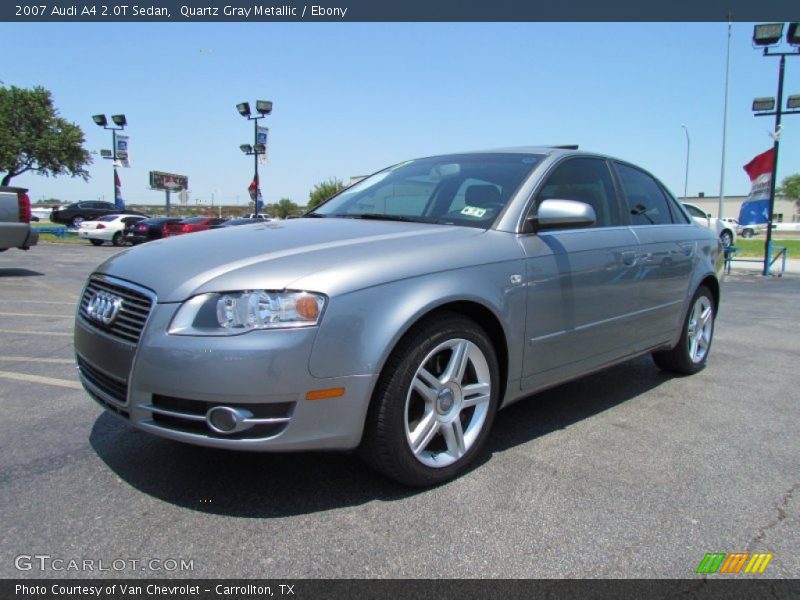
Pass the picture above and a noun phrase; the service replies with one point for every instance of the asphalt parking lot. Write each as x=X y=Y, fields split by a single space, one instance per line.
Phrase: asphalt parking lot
x=627 y=473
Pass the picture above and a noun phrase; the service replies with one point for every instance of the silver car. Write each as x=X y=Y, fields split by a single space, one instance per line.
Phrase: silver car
x=399 y=316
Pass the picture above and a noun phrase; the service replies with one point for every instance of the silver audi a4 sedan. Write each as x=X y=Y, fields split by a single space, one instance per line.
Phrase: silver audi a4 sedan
x=400 y=315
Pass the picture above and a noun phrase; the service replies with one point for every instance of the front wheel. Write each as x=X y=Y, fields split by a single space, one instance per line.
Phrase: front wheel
x=690 y=355
x=434 y=403
x=117 y=240
x=747 y=233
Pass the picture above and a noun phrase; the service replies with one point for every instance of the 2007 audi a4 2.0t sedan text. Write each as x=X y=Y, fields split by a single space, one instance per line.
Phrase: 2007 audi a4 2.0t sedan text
x=400 y=315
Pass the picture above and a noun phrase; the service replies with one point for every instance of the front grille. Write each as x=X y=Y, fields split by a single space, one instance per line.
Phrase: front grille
x=104 y=384
x=189 y=416
x=132 y=314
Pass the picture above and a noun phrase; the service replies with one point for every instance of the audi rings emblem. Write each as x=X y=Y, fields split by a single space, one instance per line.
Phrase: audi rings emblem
x=104 y=308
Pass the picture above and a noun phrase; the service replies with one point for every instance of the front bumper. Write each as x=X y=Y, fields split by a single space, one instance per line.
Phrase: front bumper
x=166 y=384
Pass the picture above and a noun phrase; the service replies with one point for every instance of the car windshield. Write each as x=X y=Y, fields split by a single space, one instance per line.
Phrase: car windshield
x=193 y=220
x=458 y=189
x=107 y=218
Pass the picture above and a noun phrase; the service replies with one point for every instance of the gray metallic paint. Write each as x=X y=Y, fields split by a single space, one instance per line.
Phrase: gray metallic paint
x=576 y=306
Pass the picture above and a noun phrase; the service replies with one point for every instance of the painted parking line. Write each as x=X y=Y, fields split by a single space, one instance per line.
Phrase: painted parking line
x=39 y=379
x=31 y=359
x=12 y=314
x=36 y=332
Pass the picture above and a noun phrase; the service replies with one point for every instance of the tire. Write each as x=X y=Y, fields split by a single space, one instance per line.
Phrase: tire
x=690 y=354
x=117 y=239
x=96 y=242
x=747 y=233
x=76 y=221
x=726 y=237
x=434 y=403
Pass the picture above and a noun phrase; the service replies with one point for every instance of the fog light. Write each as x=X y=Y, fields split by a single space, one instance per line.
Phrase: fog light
x=227 y=420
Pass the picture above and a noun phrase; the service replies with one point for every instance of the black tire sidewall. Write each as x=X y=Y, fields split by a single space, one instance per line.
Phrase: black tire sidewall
x=392 y=390
x=683 y=345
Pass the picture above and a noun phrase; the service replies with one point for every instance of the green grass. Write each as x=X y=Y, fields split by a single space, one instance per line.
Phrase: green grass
x=755 y=247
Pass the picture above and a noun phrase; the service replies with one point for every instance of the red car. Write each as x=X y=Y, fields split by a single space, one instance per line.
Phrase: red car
x=190 y=225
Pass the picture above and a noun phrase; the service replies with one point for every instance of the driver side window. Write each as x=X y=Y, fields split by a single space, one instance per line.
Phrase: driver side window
x=585 y=180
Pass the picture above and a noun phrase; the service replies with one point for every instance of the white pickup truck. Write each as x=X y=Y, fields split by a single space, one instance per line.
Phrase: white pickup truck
x=15 y=219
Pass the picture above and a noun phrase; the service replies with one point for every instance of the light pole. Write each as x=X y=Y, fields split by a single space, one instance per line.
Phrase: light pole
x=686 y=176
x=120 y=121
x=259 y=147
x=768 y=35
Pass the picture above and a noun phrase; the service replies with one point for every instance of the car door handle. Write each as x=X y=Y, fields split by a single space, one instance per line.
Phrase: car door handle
x=629 y=258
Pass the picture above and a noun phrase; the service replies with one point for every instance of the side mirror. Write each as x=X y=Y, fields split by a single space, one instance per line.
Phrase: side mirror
x=561 y=214
x=708 y=216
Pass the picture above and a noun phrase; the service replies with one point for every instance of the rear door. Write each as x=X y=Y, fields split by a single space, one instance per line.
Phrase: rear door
x=667 y=254
x=581 y=283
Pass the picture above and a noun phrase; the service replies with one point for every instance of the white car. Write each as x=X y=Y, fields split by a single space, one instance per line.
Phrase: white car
x=724 y=229
x=109 y=228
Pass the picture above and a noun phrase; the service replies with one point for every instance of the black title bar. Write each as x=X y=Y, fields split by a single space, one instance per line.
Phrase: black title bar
x=419 y=589
x=401 y=10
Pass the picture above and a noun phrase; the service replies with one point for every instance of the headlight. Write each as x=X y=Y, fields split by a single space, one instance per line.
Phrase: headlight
x=232 y=313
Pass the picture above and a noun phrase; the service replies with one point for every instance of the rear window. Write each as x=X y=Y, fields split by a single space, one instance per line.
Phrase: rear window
x=193 y=220
x=646 y=201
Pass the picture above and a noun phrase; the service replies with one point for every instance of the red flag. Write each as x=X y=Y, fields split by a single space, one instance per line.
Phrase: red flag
x=761 y=164
x=253 y=187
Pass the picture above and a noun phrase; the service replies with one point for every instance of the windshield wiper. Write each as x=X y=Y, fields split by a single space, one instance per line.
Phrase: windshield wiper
x=314 y=216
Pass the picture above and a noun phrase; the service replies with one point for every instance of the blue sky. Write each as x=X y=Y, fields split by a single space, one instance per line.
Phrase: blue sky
x=352 y=98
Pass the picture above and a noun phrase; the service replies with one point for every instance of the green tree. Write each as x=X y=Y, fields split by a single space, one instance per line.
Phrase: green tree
x=324 y=190
x=34 y=138
x=284 y=208
x=790 y=188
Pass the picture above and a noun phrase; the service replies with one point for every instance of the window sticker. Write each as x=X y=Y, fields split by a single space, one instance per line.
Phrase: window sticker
x=473 y=211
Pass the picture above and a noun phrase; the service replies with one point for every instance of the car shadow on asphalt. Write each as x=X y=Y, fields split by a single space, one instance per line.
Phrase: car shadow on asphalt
x=15 y=272
x=270 y=485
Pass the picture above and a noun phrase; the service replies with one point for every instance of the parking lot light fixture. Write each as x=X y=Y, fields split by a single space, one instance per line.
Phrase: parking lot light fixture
x=767 y=34
x=120 y=121
x=243 y=108
x=793 y=101
x=763 y=104
x=793 y=35
x=263 y=108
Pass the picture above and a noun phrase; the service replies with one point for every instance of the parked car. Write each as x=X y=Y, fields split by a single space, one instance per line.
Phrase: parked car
x=263 y=216
x=190 y=225
x=76 y=213
x=237 y=221
x=107 y=229
x=15 y=219
x=748 y=231
x=724 y=230
x=398 y=316
x=147 y=229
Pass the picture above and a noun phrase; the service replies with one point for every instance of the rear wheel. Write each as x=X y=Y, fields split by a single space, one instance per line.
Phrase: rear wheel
x=96 y=242
x=747 y=233
x=434 y=403
x=690 y=355
x=117 y=240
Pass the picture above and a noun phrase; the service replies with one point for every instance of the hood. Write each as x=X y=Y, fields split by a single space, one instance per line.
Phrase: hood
x=273 y=255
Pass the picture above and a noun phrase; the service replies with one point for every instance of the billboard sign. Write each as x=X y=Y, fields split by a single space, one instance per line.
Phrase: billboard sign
x=168 y=181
